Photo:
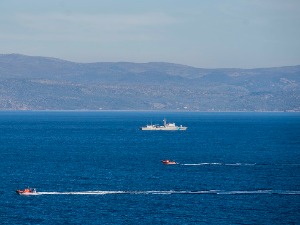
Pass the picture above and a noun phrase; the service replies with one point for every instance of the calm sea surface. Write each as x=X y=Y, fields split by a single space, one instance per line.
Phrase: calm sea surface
x=99 y=168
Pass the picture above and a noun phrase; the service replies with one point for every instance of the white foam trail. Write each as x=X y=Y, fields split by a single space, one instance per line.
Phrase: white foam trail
x=196 y=164
x=155 y=192
x=218 y=164
x=233 y=164
x=200 y=164
x=246 y=192
x=292 y=192
x=82 y=193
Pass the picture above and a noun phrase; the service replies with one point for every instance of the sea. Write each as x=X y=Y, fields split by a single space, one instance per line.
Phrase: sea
x=100 y=168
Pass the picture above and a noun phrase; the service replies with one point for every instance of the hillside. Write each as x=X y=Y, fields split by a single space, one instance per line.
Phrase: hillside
x=41 y=83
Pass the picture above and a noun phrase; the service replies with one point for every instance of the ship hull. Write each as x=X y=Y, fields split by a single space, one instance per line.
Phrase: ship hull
x=164 y=128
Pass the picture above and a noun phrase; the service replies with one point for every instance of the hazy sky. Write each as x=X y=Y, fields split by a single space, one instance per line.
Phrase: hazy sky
x=200 y=33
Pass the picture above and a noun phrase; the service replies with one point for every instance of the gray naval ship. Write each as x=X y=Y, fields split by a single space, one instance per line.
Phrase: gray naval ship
x=166 y=126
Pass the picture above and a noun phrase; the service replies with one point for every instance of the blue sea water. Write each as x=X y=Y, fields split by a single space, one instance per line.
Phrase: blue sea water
x=99 y=168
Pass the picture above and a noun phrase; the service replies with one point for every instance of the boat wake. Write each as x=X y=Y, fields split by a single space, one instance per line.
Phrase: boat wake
x=218 y=164
x=237 y=164
x=219 y=192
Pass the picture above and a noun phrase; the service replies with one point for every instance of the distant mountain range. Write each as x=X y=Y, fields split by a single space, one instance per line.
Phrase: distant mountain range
x=42 y=83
